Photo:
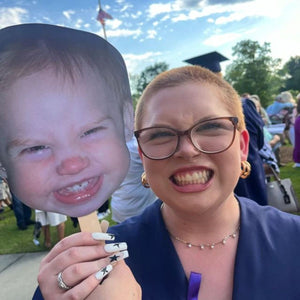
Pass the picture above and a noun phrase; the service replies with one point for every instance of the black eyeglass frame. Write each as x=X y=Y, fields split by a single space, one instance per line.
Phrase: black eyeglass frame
x=187 y=132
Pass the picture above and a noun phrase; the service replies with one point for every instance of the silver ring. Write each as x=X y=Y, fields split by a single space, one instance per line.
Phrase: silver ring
x=61 y=283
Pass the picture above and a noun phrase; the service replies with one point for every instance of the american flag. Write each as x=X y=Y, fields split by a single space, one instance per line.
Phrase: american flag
x=102 y=15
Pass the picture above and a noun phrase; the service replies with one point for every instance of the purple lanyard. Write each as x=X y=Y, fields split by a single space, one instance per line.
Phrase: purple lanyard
x=194 y=286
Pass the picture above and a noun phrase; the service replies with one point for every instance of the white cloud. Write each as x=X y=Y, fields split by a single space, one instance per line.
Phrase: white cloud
x=185 y=10
x=165 y=18
x=68 y=13
x=192 y=15
x=12 y=15
x=123 y=33
x=256 y=8
x=135 y=16
x=136 y=62
x=78 y=23
x=151 y=34
x=114 y=23
x=221 y=39
x=159 y=8
x=125 y=7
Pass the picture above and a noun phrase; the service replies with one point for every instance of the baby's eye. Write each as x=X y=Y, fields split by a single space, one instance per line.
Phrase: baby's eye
x=35 y=149
x=92 y=131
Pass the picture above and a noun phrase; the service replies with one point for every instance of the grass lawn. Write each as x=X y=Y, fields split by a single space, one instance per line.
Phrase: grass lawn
x=13 y=240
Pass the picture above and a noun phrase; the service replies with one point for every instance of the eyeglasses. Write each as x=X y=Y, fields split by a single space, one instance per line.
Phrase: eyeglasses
x=210 y=136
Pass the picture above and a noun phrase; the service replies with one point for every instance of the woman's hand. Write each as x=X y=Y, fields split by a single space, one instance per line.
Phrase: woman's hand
x=82 y=263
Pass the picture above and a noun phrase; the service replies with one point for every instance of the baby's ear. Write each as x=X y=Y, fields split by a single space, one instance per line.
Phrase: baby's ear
x=128 y=120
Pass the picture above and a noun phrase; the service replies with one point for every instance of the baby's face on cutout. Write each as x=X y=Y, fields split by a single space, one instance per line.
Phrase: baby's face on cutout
x=62 y=142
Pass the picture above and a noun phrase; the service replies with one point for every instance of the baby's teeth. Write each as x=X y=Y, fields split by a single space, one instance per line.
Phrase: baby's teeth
x=77 y=187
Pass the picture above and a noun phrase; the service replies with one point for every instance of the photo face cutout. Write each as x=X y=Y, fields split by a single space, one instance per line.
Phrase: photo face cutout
x=62 y=140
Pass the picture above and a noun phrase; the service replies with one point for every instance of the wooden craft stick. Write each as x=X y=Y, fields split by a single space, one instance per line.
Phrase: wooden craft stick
x=90 y=223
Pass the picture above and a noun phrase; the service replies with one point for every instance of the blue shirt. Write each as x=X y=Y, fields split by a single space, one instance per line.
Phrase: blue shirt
x=276 y=107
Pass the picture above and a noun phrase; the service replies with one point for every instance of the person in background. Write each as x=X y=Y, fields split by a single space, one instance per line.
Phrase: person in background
x=103 y=211
x=5 y=195
x=282 y=102
x=131 y=198
x=254 y=186
x=270 y=152
x=296 y=150
x=281 y=111
x=47 y=219
x=293 y=119
x=22 y=213
x=260 y=109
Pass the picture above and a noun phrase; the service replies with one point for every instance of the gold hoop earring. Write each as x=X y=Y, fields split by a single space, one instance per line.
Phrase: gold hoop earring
x=144 y=181
x=245 y=169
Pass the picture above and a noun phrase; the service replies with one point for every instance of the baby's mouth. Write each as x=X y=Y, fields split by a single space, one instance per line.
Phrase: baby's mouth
x=80 y=191
x=192 y=177
x=78 y=187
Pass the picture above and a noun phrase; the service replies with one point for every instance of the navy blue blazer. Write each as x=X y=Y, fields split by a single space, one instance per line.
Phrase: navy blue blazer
x=267 y=266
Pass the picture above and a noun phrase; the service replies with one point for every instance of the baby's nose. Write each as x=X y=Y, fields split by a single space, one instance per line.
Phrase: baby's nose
x=72 y=165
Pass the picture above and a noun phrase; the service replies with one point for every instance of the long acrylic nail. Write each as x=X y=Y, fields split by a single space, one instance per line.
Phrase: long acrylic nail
x=115 y=247
x=118 y=256
x=103 y=272
x=100 y=236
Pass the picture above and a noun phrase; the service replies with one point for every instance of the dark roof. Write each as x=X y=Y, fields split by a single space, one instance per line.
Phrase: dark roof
x=210 y=61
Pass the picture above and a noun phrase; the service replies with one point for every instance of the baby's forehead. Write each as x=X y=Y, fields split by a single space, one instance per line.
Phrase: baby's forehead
x=27 y=48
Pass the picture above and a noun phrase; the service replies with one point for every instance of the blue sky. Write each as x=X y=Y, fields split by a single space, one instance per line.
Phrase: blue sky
x=146 y=32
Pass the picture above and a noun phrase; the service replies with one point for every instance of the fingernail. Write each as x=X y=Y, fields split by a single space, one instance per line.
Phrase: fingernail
x=118 y=256
x=103 y=272
x=100 y=236
x=115 y=247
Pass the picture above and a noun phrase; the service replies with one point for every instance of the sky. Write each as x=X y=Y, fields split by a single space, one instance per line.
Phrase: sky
x=147 y=32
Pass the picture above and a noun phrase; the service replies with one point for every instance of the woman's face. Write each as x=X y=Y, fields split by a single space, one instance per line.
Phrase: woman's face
x=190 y=179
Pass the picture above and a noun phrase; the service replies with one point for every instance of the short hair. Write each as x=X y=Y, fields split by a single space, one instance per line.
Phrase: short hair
x=195 y=74
x=29 y=48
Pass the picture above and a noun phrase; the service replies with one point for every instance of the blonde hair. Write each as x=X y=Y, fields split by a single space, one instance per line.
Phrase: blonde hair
x=29 y=48
x=285 y=97
x=196 y=74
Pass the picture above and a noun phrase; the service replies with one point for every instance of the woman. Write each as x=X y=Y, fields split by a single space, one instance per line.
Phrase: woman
x=199 y=241
x=296 y=150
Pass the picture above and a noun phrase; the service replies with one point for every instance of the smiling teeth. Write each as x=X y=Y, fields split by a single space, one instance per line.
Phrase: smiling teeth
x=77 y=187
x=192 y=178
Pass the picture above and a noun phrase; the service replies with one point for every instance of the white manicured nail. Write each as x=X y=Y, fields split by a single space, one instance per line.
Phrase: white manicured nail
x=100 y=236
x=125 y=254
x=103 y=272
x=115 y=247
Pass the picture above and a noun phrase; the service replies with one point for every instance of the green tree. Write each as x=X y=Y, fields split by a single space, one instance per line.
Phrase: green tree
x=292 y=74
x=254 y=70
x=139 y=82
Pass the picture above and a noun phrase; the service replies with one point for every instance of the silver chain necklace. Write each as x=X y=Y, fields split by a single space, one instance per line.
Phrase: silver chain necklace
x=203 y=246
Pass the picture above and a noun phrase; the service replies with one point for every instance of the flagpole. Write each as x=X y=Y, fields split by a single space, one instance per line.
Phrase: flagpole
x=103 y=24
